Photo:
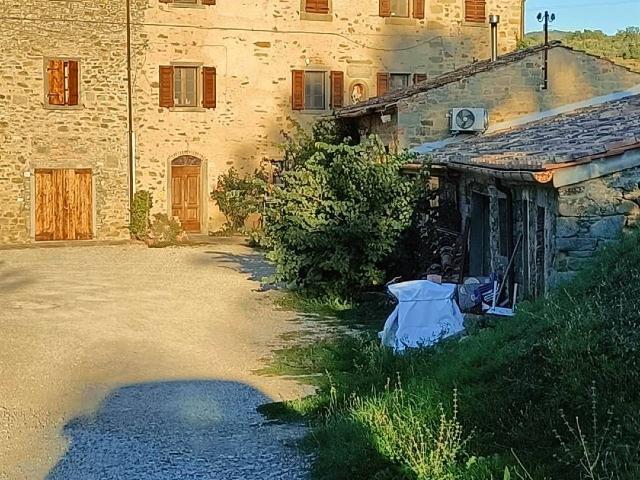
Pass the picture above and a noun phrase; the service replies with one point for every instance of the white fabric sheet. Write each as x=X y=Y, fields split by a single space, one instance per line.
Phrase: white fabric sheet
x=426 y=313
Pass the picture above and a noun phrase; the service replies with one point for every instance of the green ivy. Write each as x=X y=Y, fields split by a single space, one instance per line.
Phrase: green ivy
x=140 y=209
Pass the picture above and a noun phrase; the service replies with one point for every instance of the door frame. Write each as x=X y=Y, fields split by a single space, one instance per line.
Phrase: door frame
x=204 y=204
x=33 y=194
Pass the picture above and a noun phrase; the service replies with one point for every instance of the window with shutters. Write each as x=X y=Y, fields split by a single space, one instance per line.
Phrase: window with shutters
x=185 y=86
x=321 y=7
x=475 y=11
x=316 y=90
x=398 y=81
x=315 y=95
x=402 y=8
x=190 y=87
x=62 y=83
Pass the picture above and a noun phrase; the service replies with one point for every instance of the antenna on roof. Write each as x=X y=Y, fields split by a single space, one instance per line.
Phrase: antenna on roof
x=547 y=18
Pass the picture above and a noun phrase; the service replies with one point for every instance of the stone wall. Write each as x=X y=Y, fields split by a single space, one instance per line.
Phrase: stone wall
x=93 y=135
x=254 y=46
x=512 y=91
x=592 y=213
x=535 y=262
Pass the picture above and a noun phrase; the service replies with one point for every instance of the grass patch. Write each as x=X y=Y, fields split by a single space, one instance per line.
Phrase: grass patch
x=553 y=393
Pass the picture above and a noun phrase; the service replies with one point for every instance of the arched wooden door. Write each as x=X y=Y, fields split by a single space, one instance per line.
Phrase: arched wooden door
x=186 y=192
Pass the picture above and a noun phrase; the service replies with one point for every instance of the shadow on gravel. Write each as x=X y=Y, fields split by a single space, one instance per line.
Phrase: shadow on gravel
x=253 y=263
x=12 y=280
x=181 y=430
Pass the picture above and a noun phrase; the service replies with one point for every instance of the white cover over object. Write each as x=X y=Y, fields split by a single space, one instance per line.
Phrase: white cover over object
x=426 y=313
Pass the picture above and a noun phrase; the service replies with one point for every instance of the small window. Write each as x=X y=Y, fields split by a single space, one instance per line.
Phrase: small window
x=475 y=11
x=314 y=91
x=185 y=86
x=316 y=6
x=398 y=81
x=400 y=8
x=62 y=83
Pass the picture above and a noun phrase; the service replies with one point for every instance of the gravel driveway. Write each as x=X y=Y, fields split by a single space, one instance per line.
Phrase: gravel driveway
x=124 y=362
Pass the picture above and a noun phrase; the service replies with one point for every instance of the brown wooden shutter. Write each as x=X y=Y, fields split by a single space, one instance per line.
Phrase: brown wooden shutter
x=55 y=82
x=297 y=90
x=418 y=8
x=208 y=2
x=73 y=83
x=419 y=77
x=385 y=8
x=337 y=89
x=166 y=86
x=383 y=83
x=209 y=87
x=475 y=11
x=317 y=6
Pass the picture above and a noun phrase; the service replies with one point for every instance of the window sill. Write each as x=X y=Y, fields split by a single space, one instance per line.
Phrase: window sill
x=62 y=107
x=187 y=5
x=189 y=109
x=400 y=21
x=466 y=23
x=313 y=112
x=317 y=17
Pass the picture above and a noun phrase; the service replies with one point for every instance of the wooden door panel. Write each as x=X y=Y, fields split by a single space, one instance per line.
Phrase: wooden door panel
x=64 y=204
x=176 y=194
x=185 y=196
x=44 y=225
x=83 y=205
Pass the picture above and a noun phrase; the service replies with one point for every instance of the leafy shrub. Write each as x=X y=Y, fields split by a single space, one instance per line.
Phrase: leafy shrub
x=338 y=213
x=164 y=231
x=140 y=211
x=239 y=196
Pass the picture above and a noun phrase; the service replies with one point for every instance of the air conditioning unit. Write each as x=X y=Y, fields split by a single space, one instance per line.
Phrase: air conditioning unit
x=469 y=120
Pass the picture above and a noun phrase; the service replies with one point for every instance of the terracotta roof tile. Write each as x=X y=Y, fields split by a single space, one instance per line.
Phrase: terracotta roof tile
x=578 y=136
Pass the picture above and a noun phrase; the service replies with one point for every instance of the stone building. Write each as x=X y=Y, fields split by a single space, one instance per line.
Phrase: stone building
x=508 y=88
x=553 y=190
x=63 y=121
x=212 y=83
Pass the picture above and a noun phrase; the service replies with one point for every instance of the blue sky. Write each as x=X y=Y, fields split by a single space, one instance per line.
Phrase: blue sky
x=606 y=15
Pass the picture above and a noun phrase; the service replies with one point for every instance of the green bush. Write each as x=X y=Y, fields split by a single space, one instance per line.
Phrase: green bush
x=140 y=211
x=239 y=196
x=338 y=214
x=164 y=231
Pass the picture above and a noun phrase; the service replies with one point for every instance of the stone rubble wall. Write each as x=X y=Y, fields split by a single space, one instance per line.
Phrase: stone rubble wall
x=253 y=44
x=512 y=91
x=592 y=214
x=90 y=136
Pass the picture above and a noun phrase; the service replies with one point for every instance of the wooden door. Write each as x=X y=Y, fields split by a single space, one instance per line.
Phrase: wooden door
x=185 y=196
x=64 y=204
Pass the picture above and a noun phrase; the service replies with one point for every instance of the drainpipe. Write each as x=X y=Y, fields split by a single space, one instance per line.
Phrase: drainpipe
x=494 y=20
x=130 y=135
x=522 y=19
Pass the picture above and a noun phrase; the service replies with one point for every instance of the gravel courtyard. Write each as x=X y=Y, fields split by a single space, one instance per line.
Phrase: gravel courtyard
x=127 y=362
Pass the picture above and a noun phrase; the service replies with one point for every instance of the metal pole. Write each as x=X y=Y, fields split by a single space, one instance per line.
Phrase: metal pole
x=494 y=20
x=130 y=139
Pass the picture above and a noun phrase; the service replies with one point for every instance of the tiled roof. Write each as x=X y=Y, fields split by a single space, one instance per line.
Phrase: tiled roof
x=384 y=101
x=569 y=138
